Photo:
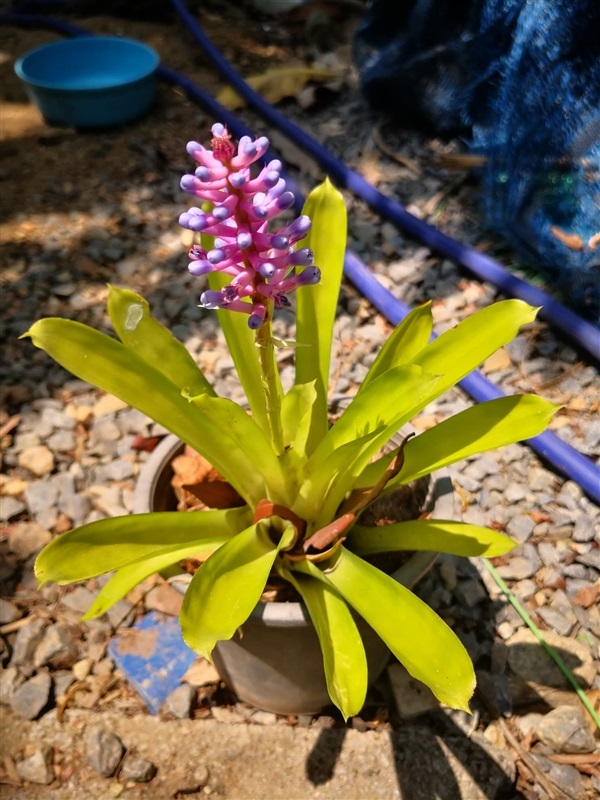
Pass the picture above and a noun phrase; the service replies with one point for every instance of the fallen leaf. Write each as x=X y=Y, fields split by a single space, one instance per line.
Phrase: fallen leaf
x=276 y=84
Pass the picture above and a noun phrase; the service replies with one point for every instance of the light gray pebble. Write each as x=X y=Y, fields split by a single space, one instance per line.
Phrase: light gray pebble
x=590 y=559
x=556 y=621
x=585 y=529
x=574 y=571
x=57 y=649
x=31 y=697
x=78 y=600
x=37 y=768
x=40 y=496
x=496 y=483
x=470 y=484
x=470 y=592
x=137 y=769
x=62 y=441
x=564 y=729
x=482 y=467
x=520 y=528
x=133 y=421
x=119 y=470
x=474 y=516
x=518 y=568
x=8 y=612
x=562 y=531
x=515 y=492
x=26 y=641
x=12 y=678
x=62 y=678
x=180 y=702
x=525 y=589
x=489 y=500
x=121 y=614
x=104 y=750
x=569 y=495
x=548 y=554
x=104 y=429
x=10 y=507
x=57 y=418
x=564 y=775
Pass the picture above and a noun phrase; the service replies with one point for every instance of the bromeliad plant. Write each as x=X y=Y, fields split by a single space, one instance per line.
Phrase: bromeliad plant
x=304 y=482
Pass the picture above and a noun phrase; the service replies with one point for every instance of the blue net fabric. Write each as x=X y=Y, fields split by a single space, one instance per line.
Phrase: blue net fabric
x=521 y=82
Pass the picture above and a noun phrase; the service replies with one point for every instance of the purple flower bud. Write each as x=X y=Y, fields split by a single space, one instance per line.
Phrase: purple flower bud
x=260 y=212
x=202 y=173
x=221 y=213
x=218 y=130
x=201 y=267
x=193 y=147
x=214 y=256
x=309 y=276
x=249 y=149
x=196 y=223
x=303 y=257
x=188 y=183
x=280 y=241
x=211 y=299
x=286 y=200
x=237 y=180
x=271 y=178
x=244 y=240
x=254 y=322
x=299 y=226
x=266 y=269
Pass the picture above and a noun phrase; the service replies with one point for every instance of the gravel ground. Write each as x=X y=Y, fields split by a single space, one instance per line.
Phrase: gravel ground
x=83 y=209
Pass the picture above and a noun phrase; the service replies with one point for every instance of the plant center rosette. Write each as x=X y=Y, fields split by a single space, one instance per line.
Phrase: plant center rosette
x=303 y=483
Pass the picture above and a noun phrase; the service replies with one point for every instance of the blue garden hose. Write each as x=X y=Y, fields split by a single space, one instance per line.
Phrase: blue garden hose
x=564 y=458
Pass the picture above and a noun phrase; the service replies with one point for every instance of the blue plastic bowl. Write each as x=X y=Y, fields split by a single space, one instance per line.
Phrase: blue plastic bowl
x=90 y=82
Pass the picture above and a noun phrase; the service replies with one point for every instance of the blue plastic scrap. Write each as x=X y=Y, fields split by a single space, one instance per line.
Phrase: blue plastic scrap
x=153 y=657
x=520 y=81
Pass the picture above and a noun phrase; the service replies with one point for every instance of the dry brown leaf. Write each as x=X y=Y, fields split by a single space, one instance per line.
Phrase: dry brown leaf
x=276 y=84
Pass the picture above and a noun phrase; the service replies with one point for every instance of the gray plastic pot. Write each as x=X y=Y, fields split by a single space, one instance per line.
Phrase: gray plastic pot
x=274 y=662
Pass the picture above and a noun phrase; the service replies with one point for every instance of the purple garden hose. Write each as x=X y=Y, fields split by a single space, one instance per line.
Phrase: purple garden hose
x=568 y=322
x=564 y=458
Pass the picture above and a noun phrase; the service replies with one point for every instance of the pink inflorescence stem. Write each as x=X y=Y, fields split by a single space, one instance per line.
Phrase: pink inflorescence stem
x=263 y=266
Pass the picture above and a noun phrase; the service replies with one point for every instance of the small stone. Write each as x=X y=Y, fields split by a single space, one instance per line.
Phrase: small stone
x=591 y=559
x=37 y=768
x=27 y=640
x=10 y=507
x=584 y=529
x=37 y=459
x=8 y=612
x=121 y=614
x=540 y=480
x=108 y=404
x=564 y=775
x=57 y=649
x=32 y=697
x=81 y=669
x=180 y=702
x=164 y=598
x=27 y=538
x=40 y=495
x=137 y=769
x=63 y=678
x=557 y=621
x=448 y=575
x=79 y=600
x=569 y=495
x=264 y=718
x=412 y=697
x=518 y=568
x=520 y=528
x=564 y=729
x=62 y=441
x=104 y=751
x=515 y=492
x=12 y=678
x=470 y=592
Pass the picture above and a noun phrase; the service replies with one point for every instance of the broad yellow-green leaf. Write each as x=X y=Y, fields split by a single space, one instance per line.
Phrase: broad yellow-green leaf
x=126 y=578
x=242 y=349
x=152 y=342
x=460 y=350
x=108 y=364
x=415 y=634
x=251 y=445
x=316 y=305
x=225 y=589
x=109 y=544
x=295 y=415
x=344 y=657
x=441 y=536
x=486 y=426
x=385 y=405
x=403 y=344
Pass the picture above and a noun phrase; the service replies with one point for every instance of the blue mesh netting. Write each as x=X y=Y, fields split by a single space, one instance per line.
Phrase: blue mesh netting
x=521 y=81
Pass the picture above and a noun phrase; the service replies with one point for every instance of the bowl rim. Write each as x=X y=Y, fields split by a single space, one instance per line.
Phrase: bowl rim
x=41 y=84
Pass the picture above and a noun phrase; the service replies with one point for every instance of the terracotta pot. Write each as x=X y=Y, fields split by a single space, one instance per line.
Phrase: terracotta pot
x=275 y=662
